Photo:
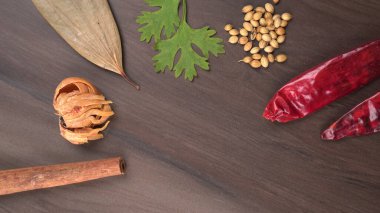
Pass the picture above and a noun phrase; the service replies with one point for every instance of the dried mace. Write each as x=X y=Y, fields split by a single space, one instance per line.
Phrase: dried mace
x=83 y=112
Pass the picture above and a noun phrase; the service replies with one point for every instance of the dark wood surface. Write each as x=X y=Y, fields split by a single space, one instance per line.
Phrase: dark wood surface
x=190 y=147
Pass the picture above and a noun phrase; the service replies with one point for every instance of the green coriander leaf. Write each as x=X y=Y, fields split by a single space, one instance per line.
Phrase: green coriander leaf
x=182 y=42
x=165 y=20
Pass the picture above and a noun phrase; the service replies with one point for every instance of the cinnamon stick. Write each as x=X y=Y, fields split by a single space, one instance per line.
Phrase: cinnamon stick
x=30 y=178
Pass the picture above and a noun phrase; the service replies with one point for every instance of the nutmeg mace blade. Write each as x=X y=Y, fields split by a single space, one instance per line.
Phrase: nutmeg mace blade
x=83 y=112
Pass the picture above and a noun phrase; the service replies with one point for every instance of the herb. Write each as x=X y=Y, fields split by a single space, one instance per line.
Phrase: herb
x=164 y=20
x=90 y=29
x=181 y=41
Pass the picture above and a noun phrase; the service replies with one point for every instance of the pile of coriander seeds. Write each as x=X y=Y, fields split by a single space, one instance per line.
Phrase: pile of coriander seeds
x=261 y=35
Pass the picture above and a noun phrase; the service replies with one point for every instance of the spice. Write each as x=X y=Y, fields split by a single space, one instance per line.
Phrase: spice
x=281 y=58
x=256 y=56
x=268 y=49
x=281 y=39
x=243 y=32
x=248 y=26
x=233 y=39
x=233 y=32
x=246 y=60
x=364 y=119
x=248 y=16
x=325 y=83
x=255 y=64
x=39 y=177
x=286 y=16
x=243 y=40
x=264 y=61
x=90 y=29
x=228 y=27
x=247 y=8
x=248 y=46
x=83 y=112
x=265 y=29
x=269 y=7
x=255 y=50
x=274 y=44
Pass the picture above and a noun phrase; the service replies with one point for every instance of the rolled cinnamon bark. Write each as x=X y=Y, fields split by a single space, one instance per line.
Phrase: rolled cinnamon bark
x=25 y=179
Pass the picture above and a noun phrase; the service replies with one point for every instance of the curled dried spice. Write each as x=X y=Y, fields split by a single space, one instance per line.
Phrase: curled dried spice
x=83 y=112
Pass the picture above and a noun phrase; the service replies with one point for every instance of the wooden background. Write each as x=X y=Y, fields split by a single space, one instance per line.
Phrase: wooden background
x=190 y=147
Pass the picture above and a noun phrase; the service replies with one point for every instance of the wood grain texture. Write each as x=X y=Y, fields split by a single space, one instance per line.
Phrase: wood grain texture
x=190 y=147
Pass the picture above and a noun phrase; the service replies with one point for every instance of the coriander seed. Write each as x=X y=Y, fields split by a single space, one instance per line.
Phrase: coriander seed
x=248 y=16
x=284 y=23
x=260 y=9
x=233 y=32
x=268 y=49
x=256 y=56
x=281 y=58
x=271 y=58
x=281 y=39
x=286 y=16
x=268 y=15
x=263 y=22
x=258 y=37
x=269 y=7
x=264 y=61
x=247 y=8
x=266 y=37
x=273 y=43
x=257 y=16
x=262 y=44
x=276 y=16
x=243 y=40
x=254 y=23
x=273 y=34
x=233 y=39
x=243 y=32
x=280 y=31
x=264 y=30
x=246 y=60
x=248 y=46
x=277 y=22
x=248 y=26
x=255 y=64
x=228 y=27
x=255 y=50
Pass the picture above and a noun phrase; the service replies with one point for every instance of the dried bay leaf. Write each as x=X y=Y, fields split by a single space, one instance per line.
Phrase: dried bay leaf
x=89 y=27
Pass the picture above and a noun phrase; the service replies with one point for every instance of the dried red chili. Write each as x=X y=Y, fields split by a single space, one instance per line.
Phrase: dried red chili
x=325 y=83
x=364 y=119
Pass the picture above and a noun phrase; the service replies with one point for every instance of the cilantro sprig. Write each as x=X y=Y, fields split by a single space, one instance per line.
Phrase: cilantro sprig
x=165 y=20
x=180 y=42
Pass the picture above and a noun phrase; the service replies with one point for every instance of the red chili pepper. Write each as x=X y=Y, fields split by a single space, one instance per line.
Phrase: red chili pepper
x=325 y=83
x=364 y=119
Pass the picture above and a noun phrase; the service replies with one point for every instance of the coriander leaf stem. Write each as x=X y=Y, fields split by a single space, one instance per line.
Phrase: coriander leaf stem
x=184 y=10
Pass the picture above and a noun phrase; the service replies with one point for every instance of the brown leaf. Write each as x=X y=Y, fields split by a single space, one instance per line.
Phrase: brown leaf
x=87 y=26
